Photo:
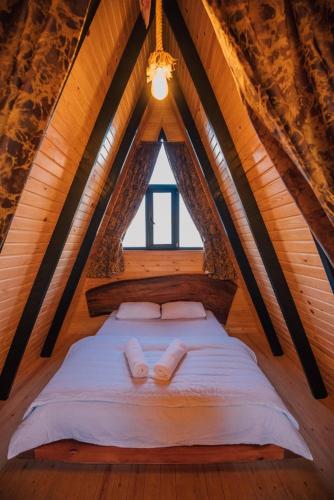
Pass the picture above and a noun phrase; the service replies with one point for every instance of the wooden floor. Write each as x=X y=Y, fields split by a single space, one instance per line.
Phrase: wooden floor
x=291 y=479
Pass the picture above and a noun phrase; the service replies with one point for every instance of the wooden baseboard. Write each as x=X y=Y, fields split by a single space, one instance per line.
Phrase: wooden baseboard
x=71 y=451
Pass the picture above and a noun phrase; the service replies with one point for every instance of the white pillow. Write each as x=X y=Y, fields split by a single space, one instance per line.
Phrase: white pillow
x=138 y=310
x=182 y=310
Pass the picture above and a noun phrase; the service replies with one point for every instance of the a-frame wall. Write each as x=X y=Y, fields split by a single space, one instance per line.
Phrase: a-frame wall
x=53 y=172
x=139 y=264
x=290 y=313
x=248 y=201
x=289 y=232
x=243 y=316
x=91 y=193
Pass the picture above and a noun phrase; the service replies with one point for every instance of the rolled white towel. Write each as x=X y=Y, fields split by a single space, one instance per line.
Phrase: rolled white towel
x=165 y=367
x=136 y=359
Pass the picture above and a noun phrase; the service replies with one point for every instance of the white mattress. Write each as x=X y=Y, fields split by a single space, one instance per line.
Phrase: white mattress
x=217 y=396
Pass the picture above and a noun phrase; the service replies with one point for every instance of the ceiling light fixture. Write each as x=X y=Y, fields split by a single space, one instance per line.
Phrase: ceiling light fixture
x=160 y=63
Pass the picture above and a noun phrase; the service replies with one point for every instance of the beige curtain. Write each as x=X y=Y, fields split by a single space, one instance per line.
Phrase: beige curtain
x=281 y=53
x=216 y=259
x=38 y=39
x=108 y=258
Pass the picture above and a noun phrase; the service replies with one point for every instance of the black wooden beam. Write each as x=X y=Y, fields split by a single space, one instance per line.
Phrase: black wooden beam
x=65 y=220
x=227 y=221
x=329 y=270
x=94 y=224
x=244 y=190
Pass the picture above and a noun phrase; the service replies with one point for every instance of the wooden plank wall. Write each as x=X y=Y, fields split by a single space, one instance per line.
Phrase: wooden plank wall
x=54 y=168
x=160 y=114
x=287 y=228
x=142 y=263
x=138 y=264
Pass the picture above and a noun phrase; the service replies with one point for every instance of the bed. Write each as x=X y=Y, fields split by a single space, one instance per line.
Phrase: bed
x=218 y=407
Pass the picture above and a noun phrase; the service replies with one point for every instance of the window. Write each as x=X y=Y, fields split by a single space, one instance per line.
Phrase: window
x=162 y=220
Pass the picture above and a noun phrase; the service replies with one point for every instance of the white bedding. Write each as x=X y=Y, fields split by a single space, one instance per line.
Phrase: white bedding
x=218 y=395
x=200 y=329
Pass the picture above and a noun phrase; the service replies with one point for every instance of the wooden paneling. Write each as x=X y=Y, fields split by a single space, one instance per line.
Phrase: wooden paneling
x=219 y=206
x=242 y=317
x=288 y=230
x=160 y=115
x=55 y=165
x=59 y=154
x=139 y=264
x=93 y=190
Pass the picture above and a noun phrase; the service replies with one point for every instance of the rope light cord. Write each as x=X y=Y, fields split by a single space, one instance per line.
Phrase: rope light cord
x=158 y=26
x=159 y=58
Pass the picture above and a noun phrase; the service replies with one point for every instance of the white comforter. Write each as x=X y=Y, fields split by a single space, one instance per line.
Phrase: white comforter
x=223 y=374
x=217 y=387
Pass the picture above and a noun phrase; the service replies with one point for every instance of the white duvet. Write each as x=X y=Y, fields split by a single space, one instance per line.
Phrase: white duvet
x=218 y=395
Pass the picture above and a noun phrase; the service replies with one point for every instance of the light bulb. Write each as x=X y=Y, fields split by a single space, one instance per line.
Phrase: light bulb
x=159 y=87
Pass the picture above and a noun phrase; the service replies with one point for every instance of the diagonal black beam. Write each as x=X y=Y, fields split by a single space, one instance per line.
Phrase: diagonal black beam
x=65 y=220
x=329 y=270
x=94 y=224
x=244 y=190
x=227 y=221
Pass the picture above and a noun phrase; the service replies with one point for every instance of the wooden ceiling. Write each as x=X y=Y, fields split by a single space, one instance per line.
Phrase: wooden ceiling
x=60 y=153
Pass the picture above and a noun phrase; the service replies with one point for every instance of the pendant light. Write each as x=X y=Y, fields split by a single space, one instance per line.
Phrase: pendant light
x=160 y=63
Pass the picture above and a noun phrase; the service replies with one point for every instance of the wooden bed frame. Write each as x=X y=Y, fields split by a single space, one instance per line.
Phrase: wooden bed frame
x=217 y=296
x=71 y=451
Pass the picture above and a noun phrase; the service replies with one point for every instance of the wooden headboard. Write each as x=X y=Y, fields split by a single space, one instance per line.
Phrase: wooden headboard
x=216 y=295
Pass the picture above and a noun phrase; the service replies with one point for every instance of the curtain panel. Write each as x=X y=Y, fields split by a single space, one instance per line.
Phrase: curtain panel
x=108 y=258
x=38 y=39
x=216 y=259
x=281 y=53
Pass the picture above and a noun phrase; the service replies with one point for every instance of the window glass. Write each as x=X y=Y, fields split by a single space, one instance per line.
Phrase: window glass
x=162 y=173
x=162 y=219
x=162 y=227
x=189 y=236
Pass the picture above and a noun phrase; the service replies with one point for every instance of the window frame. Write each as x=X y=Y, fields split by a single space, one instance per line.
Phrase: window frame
x=175 y=219
x=175 y=216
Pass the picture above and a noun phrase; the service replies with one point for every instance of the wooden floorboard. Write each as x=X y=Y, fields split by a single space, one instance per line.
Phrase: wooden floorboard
x=291 y=479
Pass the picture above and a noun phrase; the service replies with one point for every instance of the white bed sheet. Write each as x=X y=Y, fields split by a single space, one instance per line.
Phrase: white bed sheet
x=202 y=329
x=205 y=402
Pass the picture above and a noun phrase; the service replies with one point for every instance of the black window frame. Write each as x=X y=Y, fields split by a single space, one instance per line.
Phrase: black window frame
x=175 y=219
x=175 y=216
